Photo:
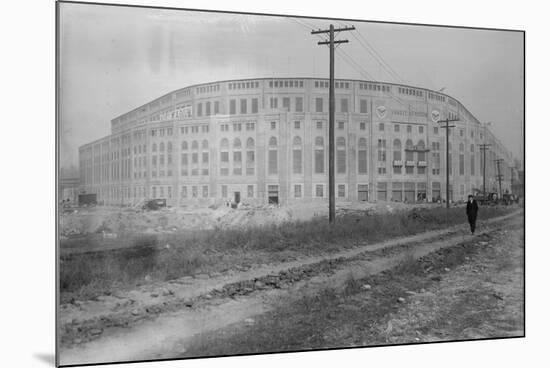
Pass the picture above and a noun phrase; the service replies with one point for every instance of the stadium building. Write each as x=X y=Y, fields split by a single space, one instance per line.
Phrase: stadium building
x=266 y=140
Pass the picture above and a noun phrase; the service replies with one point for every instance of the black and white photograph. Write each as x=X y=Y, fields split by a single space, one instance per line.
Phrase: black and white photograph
x=238 y=183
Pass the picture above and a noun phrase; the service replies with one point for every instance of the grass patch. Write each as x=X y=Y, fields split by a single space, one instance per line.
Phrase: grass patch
x=148 y=258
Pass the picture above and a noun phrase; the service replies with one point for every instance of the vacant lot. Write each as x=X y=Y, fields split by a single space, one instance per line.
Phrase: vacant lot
x=469 y=291
x=166 y=256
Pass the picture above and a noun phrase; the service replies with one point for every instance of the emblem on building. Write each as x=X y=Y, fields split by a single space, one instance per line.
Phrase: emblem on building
x=435 y=116
x=381 y=111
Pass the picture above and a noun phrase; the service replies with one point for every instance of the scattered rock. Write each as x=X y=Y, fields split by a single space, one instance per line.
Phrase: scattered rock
x=366 y=287
x=202 y=276
x=422 y=290
x=188 y=303
x=401 y=299
x=447 y=269
x=249 y=321
x=167 y=292
x=208 y=296
x=135 y=312
x=77 y=341
x=147 y=278
x=410 y=292
x=498 y=296
x=259 y=285
x=96 y=331
x=483 y=243
x=154 y=295
x=435 y=278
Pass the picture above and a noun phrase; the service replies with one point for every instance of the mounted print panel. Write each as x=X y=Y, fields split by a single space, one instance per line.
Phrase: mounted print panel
x=236 y=183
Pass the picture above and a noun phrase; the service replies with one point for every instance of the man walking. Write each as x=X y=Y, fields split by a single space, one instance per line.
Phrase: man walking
x=471 y=212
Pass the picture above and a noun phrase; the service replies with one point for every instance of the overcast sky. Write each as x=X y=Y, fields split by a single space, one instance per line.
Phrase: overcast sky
x=113 y=59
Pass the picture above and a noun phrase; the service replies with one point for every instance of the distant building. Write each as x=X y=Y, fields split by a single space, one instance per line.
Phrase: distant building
x=68 y=184
x=266 y=140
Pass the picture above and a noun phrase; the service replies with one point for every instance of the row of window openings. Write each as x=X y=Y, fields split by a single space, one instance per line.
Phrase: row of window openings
x=374 y=87
x=286 y=84
x=237 y=127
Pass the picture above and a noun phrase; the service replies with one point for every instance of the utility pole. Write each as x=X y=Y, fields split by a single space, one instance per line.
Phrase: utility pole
x=499 y=176
x=447 y=127
x=331 y=182
x=484 y=147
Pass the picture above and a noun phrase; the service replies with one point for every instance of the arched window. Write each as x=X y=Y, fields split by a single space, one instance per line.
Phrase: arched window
x=297 y=155
x=397 y=150
x=224 y=144
x=236 y=143
x=397 y=156
x=472 y=160
x=205 y=144
x=272 y=164
x=362 y=156
x=421 y=156
x=461 y=159
x=319 y=155
x=250 y=143
x=169 y=146
x=195 y=145
x=184 y=146
x=224 y=154
x=341 y=155
x=154 y=147
x=250 y=156
x=161 y=146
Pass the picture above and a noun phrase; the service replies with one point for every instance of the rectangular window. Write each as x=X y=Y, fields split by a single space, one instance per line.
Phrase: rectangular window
x=319 y=125
x=243 y=106
x=396 y=128
x=362 y=126
x=297 y=161
x=195 y=158
x=237 y=157
x=341 y=161
x=344 y=105
x=319 y=104
x=421 y=129
x=205 y=191
x=436 y=130
x=272 y=162
x=207 y=111
x=319 y=161
x=224 y=157
x=409 y=129
x=341 y=190
x=341 y=125
x=273 y=125
x=273 y=101
x=286 y=103
x=199 y=111
x=224 y=191
x=250 y=158
x=363 y=106
x=461 y=164
x=205 y=157
x=250 y=191
x=362 y=161
x=216 y=107
x=299 y=107
x=319 y=190
x=232 y=107
x=254 y=106
x=296 y=125
x=297 y=191
x=381 y=127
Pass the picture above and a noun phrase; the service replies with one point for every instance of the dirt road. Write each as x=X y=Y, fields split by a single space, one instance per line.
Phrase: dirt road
x=173 y=319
